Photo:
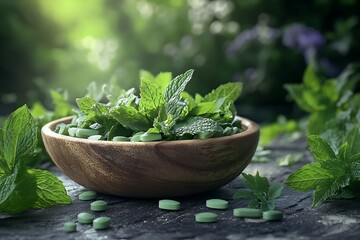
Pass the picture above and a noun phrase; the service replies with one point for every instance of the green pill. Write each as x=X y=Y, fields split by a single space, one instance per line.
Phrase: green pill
x=205 y=135
x=217 y=204
x=101 y=223
x=98 y=206
x=168 y=204
x=136 y=137
x=72 y=131
x=70 y=227
x=88 y=195
x=150 y=137
x=206 y=217
x=85 y=133
x=85 y=218
x=247 y=213
x=272 y=215
x=228 y=131
x=235 y=130
x=95 y=137
x=120 y=139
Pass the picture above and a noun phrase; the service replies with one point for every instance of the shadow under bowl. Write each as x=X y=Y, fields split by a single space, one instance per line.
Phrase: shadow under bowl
x=152 y=169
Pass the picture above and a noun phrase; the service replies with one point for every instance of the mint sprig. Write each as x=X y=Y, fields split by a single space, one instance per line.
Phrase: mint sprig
x=260 y=193
x=162 y=107
x=330 y=175
x=22 y=187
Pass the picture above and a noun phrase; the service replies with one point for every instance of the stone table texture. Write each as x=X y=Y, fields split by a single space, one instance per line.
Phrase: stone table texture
x=142 y=219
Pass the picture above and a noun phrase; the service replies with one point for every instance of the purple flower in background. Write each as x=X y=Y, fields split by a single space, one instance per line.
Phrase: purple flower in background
x=259 y=33
x=301 y=37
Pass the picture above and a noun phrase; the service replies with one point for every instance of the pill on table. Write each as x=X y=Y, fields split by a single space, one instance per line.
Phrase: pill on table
x=149 y=137
x=85 y=218
x=98 y=206
x=85 y=133
x=88 y=195
x=70 y=227
x=217 y=204
x=206 y=217
x=95 y=137
x=120 y=139
x=247 y=212
x=101 y=223
x=168 y=204
x=272 y=215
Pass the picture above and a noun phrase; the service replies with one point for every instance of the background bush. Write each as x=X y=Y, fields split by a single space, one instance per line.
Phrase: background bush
x=264 y=43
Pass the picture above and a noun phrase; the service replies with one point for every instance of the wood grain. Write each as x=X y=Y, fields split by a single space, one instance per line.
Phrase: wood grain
x=152 y=169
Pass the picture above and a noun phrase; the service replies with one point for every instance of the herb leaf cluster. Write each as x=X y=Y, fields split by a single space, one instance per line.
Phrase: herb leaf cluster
x=22 y=187
x=260 y=193
x=163 y=106
x=332 y=135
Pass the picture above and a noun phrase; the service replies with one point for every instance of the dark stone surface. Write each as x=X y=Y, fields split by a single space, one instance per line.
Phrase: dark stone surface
x=141 y=219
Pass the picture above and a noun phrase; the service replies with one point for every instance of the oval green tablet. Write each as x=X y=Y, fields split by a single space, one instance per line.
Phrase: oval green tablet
x=85 y=218
x=228 y=131
x=168 y=204
x=120 y=139
x=88 y=195
x=272 y=215
x=217 y=204
x=149 y=137
x=136 y=137
x=235 y=130
x=72 y=131
x=85 y=133
x=70 y=227
x=247 y=212
x=205 y=135
x=95 y=137
x=101 y=223
x=206 y=217
x=98 y=206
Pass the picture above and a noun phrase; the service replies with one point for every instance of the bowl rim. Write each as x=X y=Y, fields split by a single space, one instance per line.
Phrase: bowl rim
x=47 y=130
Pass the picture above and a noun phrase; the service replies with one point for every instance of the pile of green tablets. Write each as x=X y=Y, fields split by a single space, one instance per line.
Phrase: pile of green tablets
x=99 y=223
x=220 y=204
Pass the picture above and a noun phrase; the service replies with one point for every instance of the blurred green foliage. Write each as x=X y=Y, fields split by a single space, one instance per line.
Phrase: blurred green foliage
x=68 y=44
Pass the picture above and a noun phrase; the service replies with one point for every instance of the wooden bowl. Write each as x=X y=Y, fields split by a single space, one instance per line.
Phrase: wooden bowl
x=152 y=169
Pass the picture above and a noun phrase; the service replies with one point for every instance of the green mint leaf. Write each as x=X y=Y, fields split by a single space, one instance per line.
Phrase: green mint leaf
x=189 y=100
x=321 y=150
x=49 y=190
x=256 y=183
x=197 y=125
x=355 y=170
x=275 y=191
x=260 y=193
x=311 y=79
x=173 y=92
x=203 y=108
x=19 y=137
x=309 y=177
x=130 y=117
x=328 y=189
x=229 y=91
x=151 y=98
x=244 y=194
x=86 y=104
x=17 y=191
x=62 y=107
